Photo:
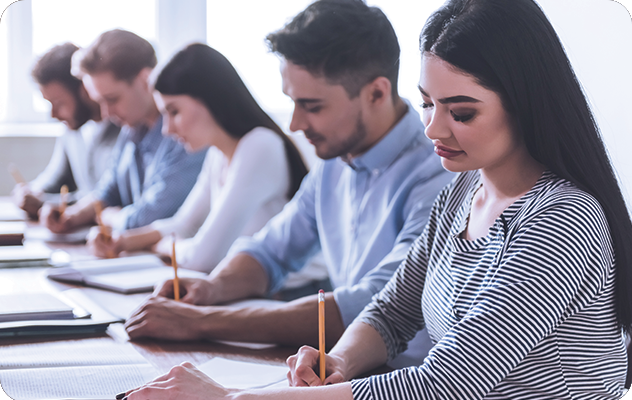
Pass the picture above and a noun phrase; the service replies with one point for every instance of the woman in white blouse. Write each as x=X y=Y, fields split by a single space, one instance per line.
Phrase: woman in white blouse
x=251 y=169
x=522 y=274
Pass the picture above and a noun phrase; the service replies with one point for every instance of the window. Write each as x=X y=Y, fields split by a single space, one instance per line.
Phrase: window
x=54 y=22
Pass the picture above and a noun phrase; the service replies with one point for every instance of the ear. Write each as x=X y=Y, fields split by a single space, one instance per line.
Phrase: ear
x=377 y=92
x=143 y=77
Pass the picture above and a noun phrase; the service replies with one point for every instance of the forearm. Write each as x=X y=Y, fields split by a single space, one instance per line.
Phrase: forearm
x=237 y=278
x=292 y=324
x=341 y=391
x=362 y=349
x=82 y=212
x=139 y=238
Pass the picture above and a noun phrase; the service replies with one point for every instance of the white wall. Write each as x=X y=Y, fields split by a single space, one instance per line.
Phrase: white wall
x=596 y=33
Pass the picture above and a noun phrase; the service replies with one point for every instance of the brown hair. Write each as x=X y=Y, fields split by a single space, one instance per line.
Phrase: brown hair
x=120 y=52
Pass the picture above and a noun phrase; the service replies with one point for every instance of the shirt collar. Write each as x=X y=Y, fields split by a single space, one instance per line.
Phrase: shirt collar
x=386 y=151
x=148 y=138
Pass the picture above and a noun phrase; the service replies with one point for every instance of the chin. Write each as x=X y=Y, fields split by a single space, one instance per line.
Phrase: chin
x=454 y=166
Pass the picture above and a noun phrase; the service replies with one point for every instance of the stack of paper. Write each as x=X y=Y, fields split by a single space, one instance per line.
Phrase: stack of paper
x=90 y=318
x=12 y=233
x=44 y=234
x=30 y=254
x=33 y=306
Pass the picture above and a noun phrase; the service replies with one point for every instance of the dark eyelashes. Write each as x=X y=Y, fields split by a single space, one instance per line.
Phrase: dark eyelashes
x=461 y=118
x=456 y=117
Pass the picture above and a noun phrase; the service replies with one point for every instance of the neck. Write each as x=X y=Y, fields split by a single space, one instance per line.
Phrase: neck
x=227 y=145
x=511 y=180
x=95 y=112
x=381 y=122
x=151 y=116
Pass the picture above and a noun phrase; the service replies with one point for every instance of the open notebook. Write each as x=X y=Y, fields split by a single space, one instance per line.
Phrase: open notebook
x=89 y=369
x=124 y=275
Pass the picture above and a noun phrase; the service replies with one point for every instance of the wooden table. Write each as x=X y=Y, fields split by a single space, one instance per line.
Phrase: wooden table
x=160 y=353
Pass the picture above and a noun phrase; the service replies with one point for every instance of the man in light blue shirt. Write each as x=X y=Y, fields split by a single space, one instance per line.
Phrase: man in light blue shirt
x=150 y=174
x=362 y=206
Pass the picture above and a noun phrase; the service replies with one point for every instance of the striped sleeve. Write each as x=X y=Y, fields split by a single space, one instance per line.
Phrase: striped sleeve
x=519 y=308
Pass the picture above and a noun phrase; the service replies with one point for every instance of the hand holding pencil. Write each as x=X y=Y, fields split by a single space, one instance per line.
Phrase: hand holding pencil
x=102 y=243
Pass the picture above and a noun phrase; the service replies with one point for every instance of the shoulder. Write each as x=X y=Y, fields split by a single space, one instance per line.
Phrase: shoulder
x=260 y=139
x=553 y=194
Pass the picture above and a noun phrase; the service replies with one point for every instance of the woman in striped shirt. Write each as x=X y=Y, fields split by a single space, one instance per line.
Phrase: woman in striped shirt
x=515 y=274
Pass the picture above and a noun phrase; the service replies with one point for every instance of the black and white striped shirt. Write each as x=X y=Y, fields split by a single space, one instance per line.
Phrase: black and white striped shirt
x=526 y=312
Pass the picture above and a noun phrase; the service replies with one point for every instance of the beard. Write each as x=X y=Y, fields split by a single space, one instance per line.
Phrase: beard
x=327 y=149
x=83 y=113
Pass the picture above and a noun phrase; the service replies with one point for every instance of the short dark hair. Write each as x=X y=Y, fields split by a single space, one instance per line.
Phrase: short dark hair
x=205 y=74
x=511 y=48
x=346 y=41
x=120 y=52
x=54 y=66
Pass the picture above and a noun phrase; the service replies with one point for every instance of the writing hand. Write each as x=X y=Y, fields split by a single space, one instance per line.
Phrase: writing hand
x=102 y=244
x=304 y=365
x=24 y=198
x=181 y=382
x=192 y=290
x=54 y=220
x=164 y=318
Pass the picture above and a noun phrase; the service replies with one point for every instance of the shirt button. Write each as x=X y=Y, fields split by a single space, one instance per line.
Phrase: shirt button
x=376 y=172
x=455 y=312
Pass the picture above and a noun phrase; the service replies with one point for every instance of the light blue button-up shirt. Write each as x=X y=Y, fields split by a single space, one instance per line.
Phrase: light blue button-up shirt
x=149 y=178
x=363 y=214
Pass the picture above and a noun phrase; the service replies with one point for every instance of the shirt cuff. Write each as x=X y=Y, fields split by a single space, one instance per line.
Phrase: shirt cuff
x=361 y=389
x=351 y=300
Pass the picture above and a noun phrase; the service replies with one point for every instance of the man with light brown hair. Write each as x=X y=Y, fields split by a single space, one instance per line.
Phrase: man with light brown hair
x=151 y=174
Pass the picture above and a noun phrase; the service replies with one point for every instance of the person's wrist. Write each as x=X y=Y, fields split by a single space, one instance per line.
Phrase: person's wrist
x=212 y=292
x=341 y=364
x=119 y=242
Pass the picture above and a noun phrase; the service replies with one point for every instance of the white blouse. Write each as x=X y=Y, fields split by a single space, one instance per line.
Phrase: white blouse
x=230 y=200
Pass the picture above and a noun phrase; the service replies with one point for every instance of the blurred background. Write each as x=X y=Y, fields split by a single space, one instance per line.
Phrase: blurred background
x=596 y=33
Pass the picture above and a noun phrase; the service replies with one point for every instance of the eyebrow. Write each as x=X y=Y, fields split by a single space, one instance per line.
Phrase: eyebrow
x=304 y=102
x=452 y=99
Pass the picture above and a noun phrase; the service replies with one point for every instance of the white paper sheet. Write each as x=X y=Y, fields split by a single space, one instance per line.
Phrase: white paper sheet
x=88 y=369
x=243 y=375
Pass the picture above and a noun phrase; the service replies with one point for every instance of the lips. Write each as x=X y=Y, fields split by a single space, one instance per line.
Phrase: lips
x=446 y=152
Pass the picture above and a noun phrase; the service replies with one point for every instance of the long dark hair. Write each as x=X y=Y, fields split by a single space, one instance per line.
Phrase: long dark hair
x=511 y=48
x=205 y=74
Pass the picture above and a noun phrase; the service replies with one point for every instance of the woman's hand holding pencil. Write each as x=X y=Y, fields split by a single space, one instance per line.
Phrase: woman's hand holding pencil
x=301 y=374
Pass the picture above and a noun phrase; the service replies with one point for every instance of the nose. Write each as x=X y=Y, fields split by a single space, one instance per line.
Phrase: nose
x=105 y=110
x=169 y=126
x=298 y=122
x=435 y=125
x=54 y=112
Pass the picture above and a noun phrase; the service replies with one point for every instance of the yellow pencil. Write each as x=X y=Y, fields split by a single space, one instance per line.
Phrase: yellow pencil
x=176 y=283
x=104 y=232
x=63 y=194
x=15 y=173
x=321 y=332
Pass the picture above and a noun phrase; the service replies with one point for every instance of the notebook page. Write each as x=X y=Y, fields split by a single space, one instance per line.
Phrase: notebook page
x=92 y=382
